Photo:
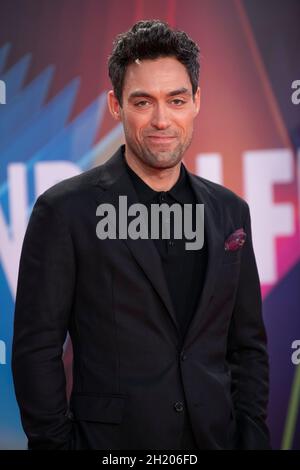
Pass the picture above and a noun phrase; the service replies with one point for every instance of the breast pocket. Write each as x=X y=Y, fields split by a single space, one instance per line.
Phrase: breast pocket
x=232 y=256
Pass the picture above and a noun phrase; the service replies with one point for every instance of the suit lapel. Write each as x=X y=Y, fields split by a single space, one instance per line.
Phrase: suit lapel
x=214 y=238
x=116 y=182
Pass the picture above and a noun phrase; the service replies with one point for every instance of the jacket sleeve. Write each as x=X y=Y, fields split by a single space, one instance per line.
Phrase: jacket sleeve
x=42 y=311
x=247 y=353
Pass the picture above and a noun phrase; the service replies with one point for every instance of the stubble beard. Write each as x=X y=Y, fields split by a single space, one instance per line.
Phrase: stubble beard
x=159 y=159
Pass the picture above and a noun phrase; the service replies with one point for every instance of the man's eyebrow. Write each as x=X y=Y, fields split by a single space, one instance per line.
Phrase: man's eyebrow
x=179 y=91
x=142 y=93
x=139 y=94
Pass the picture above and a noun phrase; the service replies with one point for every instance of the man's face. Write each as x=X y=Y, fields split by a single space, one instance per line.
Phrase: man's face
x=157 y=112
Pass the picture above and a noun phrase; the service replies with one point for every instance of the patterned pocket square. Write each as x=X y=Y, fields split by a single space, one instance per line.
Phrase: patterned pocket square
x=236 y=240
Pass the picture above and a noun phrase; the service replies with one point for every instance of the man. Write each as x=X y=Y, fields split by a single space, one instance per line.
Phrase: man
x=169 y=344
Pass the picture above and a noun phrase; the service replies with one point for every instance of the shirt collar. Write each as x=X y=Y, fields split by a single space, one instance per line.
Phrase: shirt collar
x=146 y=193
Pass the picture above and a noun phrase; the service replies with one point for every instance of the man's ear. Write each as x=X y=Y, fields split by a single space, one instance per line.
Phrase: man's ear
x=197 y=100
x=113 y=105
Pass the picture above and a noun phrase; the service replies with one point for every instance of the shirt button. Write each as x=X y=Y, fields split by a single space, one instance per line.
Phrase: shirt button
x=178 y=406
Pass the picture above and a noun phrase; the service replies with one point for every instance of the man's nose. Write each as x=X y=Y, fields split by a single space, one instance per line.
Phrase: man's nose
x=160 y=118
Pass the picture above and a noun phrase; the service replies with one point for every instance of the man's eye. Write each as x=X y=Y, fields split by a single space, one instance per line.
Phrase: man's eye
x=178 y=101
x=141 y=104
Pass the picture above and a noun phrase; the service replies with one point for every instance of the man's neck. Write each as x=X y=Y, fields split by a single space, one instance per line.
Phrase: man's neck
x=158 y=179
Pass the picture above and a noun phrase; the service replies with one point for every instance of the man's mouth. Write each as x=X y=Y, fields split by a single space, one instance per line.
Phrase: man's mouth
x=161 y=139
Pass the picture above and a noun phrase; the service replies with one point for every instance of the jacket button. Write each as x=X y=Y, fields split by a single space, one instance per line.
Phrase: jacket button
x=183 y=356
x=178 y=406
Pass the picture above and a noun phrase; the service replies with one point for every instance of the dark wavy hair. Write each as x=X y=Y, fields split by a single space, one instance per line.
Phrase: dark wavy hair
x=151 y=39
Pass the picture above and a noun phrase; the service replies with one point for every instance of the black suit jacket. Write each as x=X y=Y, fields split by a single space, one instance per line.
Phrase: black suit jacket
x=132 y=381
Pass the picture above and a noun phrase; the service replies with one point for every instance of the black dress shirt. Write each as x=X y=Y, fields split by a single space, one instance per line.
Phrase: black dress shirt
x=184 y=269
